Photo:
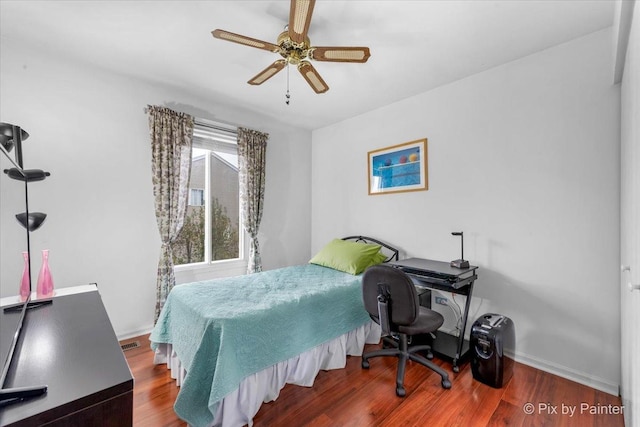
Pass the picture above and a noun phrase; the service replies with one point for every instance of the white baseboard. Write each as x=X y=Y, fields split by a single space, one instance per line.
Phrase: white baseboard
x=131 y=334
x=568 y=373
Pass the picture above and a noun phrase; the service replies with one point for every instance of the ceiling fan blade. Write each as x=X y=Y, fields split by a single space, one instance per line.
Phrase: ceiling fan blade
x=268 y=72
x=247 y=41
x=340 y=54
x=299 y=19
x=312 y=77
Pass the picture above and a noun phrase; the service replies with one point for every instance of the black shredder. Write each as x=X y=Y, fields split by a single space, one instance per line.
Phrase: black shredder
x=491 y=335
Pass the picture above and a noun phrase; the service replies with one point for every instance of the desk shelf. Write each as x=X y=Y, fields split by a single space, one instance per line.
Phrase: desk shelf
x=445 y=346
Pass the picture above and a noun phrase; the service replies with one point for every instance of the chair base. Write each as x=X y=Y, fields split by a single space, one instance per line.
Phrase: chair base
x=404 y=353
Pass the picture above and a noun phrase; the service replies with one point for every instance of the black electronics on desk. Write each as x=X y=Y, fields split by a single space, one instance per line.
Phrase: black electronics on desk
x=442 y=276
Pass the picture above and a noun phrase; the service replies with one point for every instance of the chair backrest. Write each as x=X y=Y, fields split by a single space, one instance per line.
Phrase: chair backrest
x=404 y=302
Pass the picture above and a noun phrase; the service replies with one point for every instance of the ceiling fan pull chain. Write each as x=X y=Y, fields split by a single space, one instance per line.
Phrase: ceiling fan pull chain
x=287 y=96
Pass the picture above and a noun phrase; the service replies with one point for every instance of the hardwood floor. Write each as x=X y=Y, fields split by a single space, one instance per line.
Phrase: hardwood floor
x=357 y=397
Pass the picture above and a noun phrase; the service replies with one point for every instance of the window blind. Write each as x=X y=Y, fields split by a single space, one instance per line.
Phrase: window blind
x=215 y=136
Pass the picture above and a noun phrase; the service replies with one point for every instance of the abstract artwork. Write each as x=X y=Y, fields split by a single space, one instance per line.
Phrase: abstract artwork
x=398 y=168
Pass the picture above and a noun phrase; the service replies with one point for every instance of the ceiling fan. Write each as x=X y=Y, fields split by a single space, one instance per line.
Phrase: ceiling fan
x=296 y=49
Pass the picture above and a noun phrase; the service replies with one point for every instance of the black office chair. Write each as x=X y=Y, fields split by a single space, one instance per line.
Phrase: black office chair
x=392 y=301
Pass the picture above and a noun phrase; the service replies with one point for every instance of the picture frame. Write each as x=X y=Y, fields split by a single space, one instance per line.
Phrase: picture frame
x=399 y=168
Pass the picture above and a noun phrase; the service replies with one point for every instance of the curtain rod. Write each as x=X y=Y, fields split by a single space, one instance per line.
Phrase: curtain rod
x=222 y=127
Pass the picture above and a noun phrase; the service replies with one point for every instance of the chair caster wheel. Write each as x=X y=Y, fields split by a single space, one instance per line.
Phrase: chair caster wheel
x=429 y=356
x=365 y=364
x=400 y=392
x=446 y=384
x=456 y=369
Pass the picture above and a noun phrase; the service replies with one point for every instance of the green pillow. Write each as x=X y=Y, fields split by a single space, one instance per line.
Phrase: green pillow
x=378 y=258
x=347 y=256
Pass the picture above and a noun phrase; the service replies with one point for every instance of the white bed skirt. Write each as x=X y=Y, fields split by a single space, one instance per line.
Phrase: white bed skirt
x=240 y=406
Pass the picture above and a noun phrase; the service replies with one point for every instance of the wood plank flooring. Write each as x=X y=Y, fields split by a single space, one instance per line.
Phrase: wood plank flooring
x=358 y=397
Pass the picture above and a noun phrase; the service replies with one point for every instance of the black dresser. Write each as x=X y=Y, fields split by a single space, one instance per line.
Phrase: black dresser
x=69 y=346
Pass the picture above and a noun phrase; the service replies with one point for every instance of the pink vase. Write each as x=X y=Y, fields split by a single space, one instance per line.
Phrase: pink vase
x=45 y=282
x=25 y=286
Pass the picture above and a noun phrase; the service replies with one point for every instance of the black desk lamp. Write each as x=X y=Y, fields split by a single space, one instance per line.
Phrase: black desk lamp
x=460 y=263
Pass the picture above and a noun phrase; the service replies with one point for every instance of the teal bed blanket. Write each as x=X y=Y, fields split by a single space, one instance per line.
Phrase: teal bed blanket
x=226 y=329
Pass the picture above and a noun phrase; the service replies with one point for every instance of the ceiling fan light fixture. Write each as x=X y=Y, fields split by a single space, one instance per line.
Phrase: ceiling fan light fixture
x=291 y=51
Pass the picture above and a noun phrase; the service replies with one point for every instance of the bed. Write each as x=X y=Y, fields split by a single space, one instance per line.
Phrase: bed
x=234 y=343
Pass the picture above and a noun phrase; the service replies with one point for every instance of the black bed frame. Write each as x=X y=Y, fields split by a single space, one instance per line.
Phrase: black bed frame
x=365 y=239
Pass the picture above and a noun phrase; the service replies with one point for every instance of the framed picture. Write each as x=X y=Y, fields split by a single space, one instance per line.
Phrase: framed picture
x=398 y=168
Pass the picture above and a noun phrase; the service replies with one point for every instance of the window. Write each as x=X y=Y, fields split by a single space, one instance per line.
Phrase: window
x=212 y=229
x=196 y=197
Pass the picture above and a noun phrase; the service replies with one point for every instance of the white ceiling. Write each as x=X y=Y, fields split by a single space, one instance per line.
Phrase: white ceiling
x=415 y=45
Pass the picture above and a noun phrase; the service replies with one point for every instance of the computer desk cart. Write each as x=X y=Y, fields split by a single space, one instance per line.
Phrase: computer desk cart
x=442 y=276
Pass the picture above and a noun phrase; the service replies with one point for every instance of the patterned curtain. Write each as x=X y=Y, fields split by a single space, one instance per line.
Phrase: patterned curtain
x=171 y=134
x=252 y=149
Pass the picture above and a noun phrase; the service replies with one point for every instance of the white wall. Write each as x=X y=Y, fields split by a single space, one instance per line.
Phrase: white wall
x=89 y=130
x=525 y=159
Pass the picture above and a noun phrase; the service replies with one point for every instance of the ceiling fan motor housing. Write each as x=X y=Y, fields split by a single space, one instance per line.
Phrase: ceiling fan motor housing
x=291 y=51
